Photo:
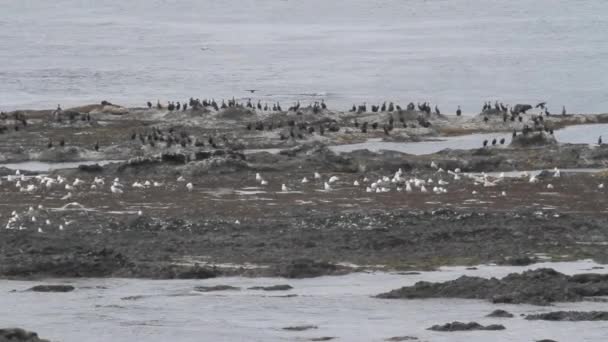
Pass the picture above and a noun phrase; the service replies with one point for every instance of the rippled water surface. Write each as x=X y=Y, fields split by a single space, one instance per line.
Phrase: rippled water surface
x=451 y=52
x=340 y=307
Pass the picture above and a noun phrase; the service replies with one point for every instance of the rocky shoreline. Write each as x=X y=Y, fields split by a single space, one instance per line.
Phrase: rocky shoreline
x=196 y=208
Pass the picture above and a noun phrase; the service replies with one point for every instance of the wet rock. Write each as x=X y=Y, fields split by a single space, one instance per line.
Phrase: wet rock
x=180 y=272
x=500 y=313
x=459 y=326
x=570 y=316
x=216 y=288
x=83 y=263
x=539 y=287
x=174 y=158
x=518 y=261
x=306 y=268
x=52 y=288
x=138 y=164
x=300 y=327
x=236 y=113
x=19 y=335
x=533 y=139
x=401 y=338
x=272 y=288
x=90 y=168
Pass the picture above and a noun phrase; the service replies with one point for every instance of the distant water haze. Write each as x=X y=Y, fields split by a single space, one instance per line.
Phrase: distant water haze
x=449 y=52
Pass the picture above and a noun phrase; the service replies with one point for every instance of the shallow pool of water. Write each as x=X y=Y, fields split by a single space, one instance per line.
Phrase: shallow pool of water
x=36 y=166
x=578 y=134
x=340 y=306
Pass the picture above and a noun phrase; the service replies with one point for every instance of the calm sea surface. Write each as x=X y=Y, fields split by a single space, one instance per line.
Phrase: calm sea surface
x=450 y=52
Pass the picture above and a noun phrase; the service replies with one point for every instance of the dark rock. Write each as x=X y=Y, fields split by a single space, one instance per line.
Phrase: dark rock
x=19 y=335
x=546 y=340
x=202 y=155
x=272 y=288
x=90 y=168
x=306 y=268
x=301 y=327
x=539 y=287
x=500 y=313
x=459 y=326
x=216 y=288
x=174 y=158
x=187 y=272
x=324 y=338
x=52 y=288
x=401 y=338
x=100 y=263
x=571 y=316
x=533 y=139
x=518 y=261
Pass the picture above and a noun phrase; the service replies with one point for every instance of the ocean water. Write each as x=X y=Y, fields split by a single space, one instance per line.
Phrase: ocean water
x=449 y=52
x=340 y=307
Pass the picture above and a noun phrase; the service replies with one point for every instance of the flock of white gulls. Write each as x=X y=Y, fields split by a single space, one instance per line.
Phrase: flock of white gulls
x=396 y=181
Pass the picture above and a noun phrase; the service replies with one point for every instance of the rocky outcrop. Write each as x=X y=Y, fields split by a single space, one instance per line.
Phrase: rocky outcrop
x=570 y=316
x=500 y=314
x=216 y=288
x=272 y=288
x=540 y=287
x=19 y=335
x=52 y=288
x=532 y=139
x=401 y=338
x=459 y=326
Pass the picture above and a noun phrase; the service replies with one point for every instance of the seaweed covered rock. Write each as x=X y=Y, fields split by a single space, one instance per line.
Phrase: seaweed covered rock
x=52 y=288
x=570 y=316
x=459 y=326
x=540 y=287
x=19 y=335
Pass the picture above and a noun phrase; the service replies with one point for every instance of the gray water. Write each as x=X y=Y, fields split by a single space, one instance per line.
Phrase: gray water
x=578 y=134
x=450 y=52
x=37 y=166
x=342 y=307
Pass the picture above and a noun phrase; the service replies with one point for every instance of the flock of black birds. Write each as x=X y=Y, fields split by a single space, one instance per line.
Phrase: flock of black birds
x=197 y=104
x=157 y=136
x=297 y=130
x=391 y=107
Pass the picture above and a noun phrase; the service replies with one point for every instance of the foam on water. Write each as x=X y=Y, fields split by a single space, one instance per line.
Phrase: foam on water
x=340 y=306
